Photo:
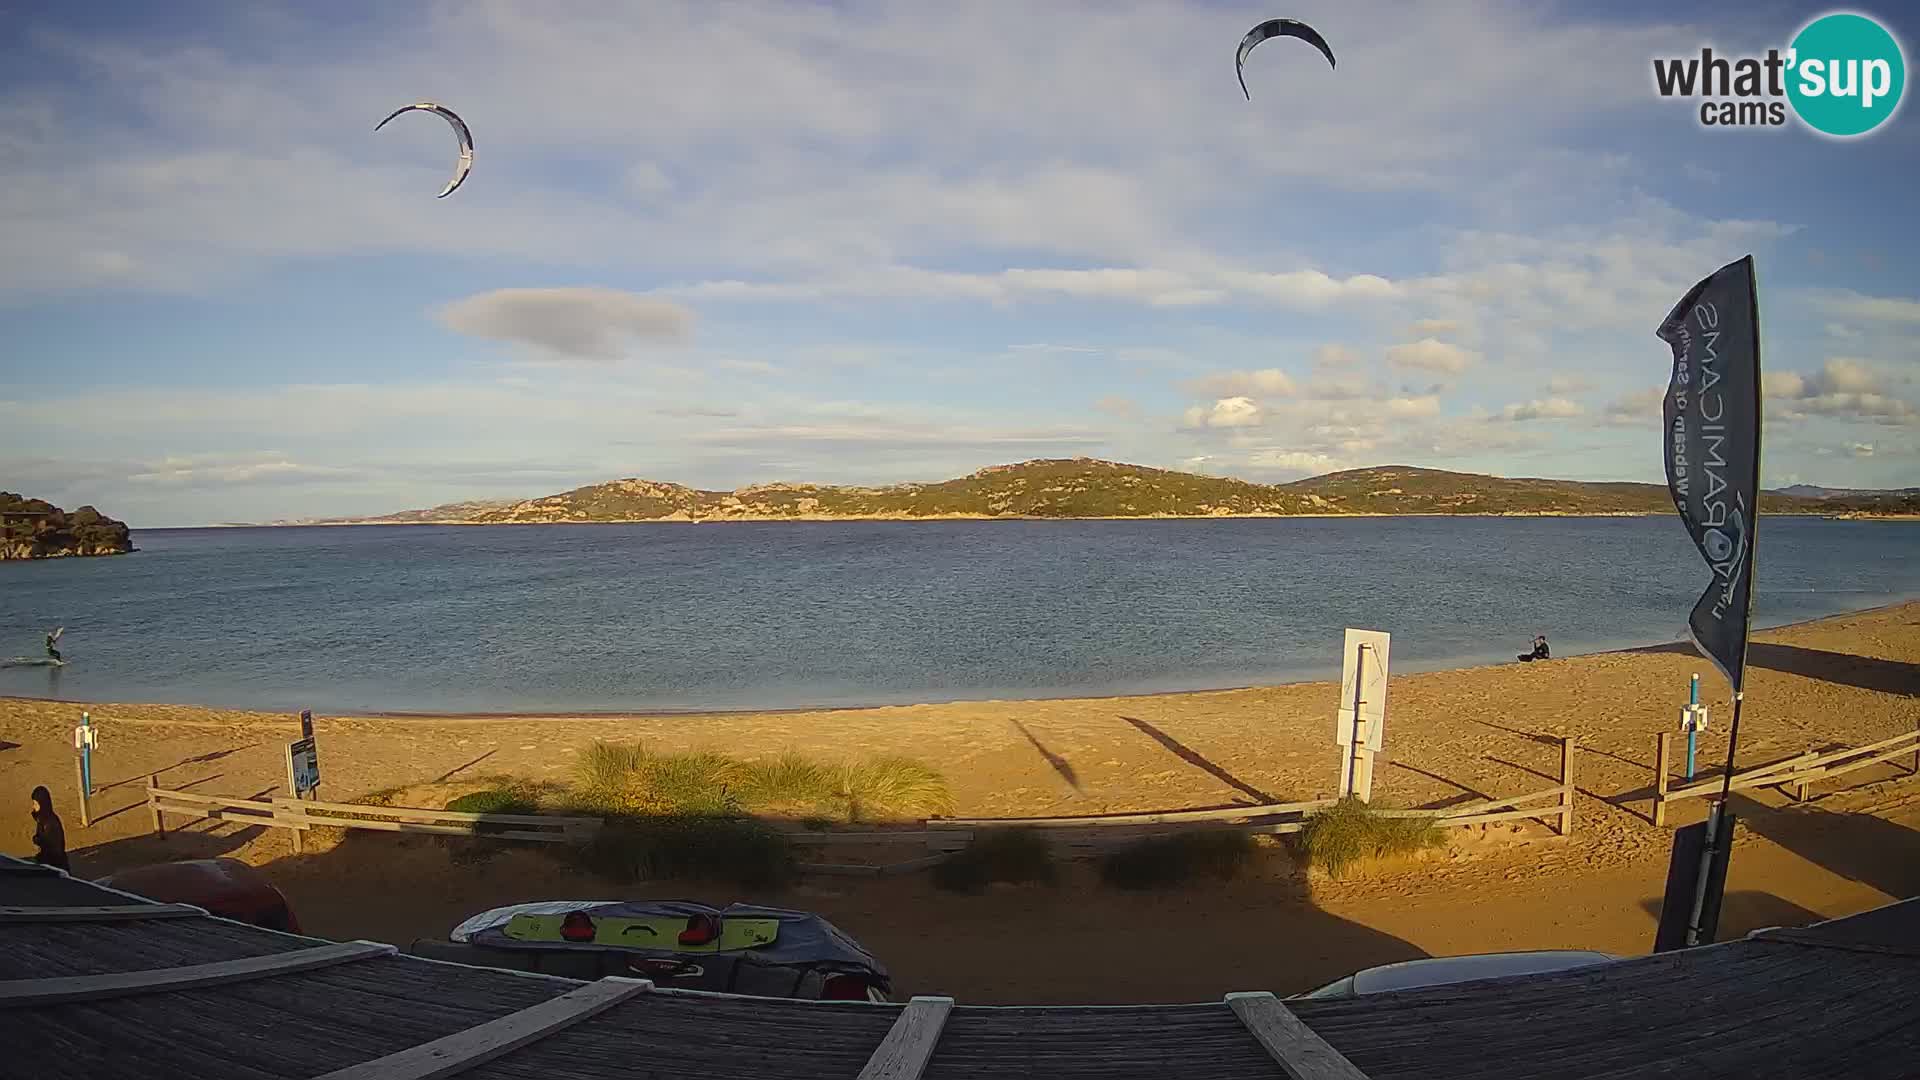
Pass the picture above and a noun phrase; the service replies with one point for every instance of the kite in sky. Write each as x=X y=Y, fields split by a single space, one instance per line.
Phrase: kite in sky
x=459 y=129
x=1277 y=28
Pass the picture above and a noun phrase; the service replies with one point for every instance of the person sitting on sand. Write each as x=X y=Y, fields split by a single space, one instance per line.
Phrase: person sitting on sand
x=53 y=653
x=49 y=836
x=1540 y=650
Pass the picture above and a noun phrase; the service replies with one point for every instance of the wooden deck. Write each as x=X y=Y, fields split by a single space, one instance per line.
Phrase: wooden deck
x=201 y=997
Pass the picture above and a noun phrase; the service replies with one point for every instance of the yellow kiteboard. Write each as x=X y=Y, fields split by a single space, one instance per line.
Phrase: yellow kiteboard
x=656 y=932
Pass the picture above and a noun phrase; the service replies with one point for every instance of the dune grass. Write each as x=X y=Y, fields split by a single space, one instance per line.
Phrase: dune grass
x=1350 y=831
x=1019 y=856
x=1166 y=861
x=616 y=778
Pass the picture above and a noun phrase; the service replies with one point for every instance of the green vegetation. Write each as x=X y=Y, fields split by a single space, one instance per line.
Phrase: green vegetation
x=1085 y=487
x=37 y=529
x=1350 y=831
x=1165 y=861
x=1018 y=856
x=626 y=778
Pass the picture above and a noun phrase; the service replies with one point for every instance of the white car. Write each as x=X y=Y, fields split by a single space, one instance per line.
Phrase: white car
x=1443 y=970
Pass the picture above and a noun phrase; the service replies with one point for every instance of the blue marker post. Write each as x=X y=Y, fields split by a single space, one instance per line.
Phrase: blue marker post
x=86 y=754
x=1693 y=723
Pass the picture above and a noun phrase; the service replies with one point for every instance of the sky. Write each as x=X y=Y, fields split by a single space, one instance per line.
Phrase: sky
x=729 y=243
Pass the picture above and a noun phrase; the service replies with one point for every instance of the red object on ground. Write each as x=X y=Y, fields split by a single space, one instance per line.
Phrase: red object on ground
x=228 y=888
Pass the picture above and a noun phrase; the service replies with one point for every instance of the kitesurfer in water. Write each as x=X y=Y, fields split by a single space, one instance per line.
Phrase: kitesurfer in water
x=53 y=653
x=1540 y=650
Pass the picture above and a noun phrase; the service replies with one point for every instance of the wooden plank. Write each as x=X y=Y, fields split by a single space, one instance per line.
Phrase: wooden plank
x=1504 y=815
x=1566 y=787
x=302 y=821
x=1828 y=772
x=96 y=914
x=1301 y=1053
x=1784 y=772
x=408 y=813
x=909 y=1045
x=211 y=800
x=476 y=1046
x=1163 y=817
x=1478 y=808
x=810 y=838
x=18 y=993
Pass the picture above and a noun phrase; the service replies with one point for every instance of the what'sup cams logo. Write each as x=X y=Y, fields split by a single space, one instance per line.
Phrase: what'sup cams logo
x=1843 y=75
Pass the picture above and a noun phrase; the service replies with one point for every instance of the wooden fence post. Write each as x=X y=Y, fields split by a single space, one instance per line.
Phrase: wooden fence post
x=153 y=804
x=1566 y=781
x=1663 y=747
x=1800 y=784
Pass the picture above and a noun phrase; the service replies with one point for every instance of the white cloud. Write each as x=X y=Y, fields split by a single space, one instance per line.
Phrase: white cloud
x=1568 y=384
x=1430 y=354
x=1641 y=408
x=1293 y=461
x=1117 y=405
x=578 y=323
x=1844 y=388
x=1267 y=382
x=1229 y=412
x=213 y=471
x=1333 y=357
x=1433 y=327
x=1427 y=405
x=1556 y=408
x=1847 y=304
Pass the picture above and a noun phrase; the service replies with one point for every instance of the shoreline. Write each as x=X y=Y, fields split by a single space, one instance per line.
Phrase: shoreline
x=827 y=520
x=615 y=714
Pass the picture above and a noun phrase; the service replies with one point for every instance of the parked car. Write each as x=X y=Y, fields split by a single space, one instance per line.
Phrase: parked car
x=742 y=949
x=1444 y=970
x=225 y=887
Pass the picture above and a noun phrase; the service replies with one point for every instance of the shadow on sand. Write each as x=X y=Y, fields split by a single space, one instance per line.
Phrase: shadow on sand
x=1055 y=761
x=1194 y=758
x=1078 y=942
x=1882 y=854
x=1742 y=912
x=1844 y=669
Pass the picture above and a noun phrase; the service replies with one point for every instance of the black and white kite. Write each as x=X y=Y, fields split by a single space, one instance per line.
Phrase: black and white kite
x=1277 y=28
x=459 y=129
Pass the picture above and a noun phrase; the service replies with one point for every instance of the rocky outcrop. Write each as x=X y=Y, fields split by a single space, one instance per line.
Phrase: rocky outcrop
x=37 y=529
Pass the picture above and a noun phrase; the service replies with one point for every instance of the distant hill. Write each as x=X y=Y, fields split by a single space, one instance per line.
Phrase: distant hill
x=1089 y=488
x=1811 y=491
x=37 y=529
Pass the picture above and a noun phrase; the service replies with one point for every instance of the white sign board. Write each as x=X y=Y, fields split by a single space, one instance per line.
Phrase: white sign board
x=303 y=766
x=1363 y=669
x=85 y=737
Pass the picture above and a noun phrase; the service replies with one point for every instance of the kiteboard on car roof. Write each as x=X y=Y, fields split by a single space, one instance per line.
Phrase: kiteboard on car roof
x=741 y=949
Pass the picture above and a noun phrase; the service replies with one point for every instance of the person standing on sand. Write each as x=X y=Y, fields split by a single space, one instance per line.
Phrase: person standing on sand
x=49 y=836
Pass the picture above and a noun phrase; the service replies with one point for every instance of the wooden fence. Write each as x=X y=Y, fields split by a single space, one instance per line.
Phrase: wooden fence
x=938 y=840
x=303 y=814
x=1105 y=831
x=1794 y=772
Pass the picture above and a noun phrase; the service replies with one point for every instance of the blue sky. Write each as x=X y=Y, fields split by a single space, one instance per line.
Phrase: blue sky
x=725 y=243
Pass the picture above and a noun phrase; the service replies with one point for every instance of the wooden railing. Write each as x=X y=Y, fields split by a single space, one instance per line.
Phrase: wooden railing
x=302 y=814
x=1795 y=772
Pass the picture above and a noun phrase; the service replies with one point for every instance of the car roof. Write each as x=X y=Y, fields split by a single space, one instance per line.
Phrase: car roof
x=1442 y=970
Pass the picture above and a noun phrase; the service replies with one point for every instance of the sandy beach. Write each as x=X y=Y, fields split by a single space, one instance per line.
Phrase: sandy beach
x=1452 y=736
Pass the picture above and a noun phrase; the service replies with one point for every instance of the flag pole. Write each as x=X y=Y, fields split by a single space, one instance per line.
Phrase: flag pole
x=1719 y=822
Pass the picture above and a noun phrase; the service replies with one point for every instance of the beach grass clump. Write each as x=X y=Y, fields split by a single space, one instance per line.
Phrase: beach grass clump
x=1350 y=832
x=1017 y=856
x=1165 y=861
x=615 y=778
x=891 y=788
x=651 y=847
